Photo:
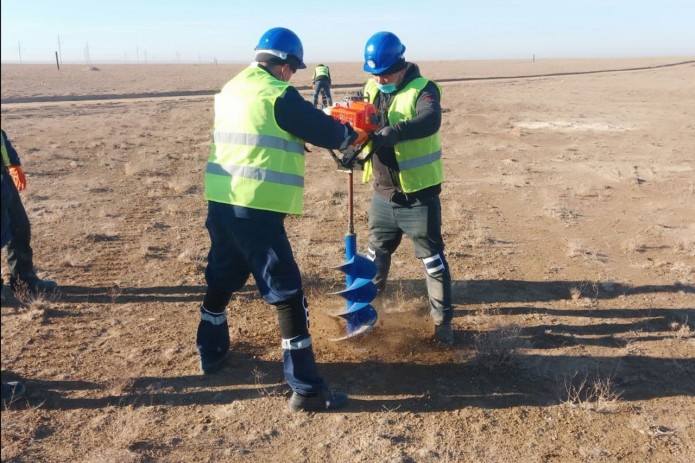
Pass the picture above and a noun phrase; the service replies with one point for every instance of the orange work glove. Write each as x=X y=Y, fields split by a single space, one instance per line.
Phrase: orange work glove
x=18 y=177
x=361 y=138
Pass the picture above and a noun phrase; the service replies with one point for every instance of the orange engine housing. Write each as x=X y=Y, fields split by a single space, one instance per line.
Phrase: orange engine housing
x=359 y=114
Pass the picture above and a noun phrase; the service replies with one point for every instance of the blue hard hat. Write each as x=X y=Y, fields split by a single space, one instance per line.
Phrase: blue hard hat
x=282 y=43
x=383 y=50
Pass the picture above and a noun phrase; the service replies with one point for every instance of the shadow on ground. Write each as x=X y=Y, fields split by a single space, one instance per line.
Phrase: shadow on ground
x=526 y=380
x=459 y=380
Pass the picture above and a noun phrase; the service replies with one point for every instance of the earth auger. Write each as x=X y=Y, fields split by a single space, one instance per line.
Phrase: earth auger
x=359 y=270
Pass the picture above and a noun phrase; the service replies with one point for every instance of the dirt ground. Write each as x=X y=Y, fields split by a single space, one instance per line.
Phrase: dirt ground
x=570 y=231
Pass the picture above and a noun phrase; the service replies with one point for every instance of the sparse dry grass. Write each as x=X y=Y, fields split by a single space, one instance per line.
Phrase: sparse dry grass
x=634 y=245
x=264 y=389
x=475 y=237
x=114 y=439
x=562 y=212
x=590 y=392
x=114 y=291
x=71 y=260
x=18 y=429
x=146 y=245
x=197 y=258
x=184 y=185
x=681 y=330
x=478 y=237
x=36 y=302
x=120 y=382
x=683 y=242
x=498 y=347
x=576 y=249
x=685 y=272
x=586 y=290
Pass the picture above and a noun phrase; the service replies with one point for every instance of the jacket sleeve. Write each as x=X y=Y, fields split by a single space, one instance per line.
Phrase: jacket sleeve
x=429 y=115
x=299 y=117
x=11 y=152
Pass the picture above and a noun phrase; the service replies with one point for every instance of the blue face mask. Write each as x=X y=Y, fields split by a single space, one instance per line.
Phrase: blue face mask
x=386 y=88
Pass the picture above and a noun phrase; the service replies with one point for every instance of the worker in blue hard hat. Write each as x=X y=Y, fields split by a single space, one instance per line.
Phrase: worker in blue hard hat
x=253 y=179
x=407 y=172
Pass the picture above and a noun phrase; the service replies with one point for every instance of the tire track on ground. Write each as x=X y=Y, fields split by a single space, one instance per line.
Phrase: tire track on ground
x=194 y=93
x=120 y=252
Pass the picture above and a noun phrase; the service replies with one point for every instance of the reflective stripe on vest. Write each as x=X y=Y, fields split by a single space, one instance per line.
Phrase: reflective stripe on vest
x=419 y=161
x=253 y=162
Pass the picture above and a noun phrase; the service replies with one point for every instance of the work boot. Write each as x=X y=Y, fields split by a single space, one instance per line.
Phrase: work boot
x=326 y=400
x=12 y=392
x=444 y=333
x=211 y=364
x=212 y=340
x=32 y=285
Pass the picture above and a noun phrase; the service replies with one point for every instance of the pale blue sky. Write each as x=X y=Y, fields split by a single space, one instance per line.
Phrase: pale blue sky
x=201 y=31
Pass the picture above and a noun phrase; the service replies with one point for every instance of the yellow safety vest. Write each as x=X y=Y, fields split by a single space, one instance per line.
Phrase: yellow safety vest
x=420 y=160
x=253 y=162
x=5 y=155
x=320 y=71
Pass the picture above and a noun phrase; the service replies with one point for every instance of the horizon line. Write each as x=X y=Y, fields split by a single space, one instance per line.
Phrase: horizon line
x=223 y=62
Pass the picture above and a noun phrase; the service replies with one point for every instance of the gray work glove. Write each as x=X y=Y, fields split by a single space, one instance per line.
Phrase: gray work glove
x=387 y=136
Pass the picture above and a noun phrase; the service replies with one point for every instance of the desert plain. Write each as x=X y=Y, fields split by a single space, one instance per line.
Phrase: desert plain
x=570 y=230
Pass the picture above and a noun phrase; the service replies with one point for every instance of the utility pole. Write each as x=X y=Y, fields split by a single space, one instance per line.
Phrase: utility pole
x=60 y=52
x=86 y=53
x=19 y=47
x=137 y=55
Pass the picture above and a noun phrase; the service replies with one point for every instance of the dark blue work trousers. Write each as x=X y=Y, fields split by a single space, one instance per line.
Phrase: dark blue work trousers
x=254 y=245
x=322 y=87
x=248 y=242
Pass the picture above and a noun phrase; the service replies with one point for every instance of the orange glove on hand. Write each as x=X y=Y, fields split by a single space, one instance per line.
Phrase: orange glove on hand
x=362 y=137
x=18 y=177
